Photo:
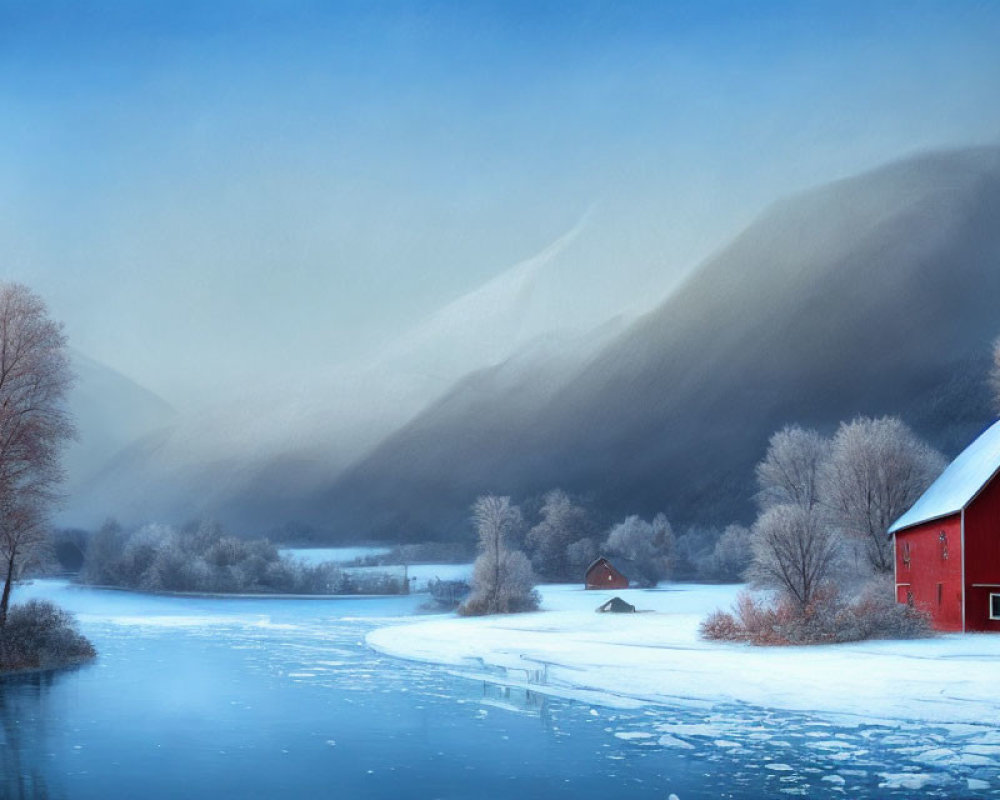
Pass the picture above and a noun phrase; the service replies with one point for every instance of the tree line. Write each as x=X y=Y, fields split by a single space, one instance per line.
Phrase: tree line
x=204 y=558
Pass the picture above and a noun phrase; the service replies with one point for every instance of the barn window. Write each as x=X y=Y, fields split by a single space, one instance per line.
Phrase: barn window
x=940 y=590
x=906 y=554
x=995 y=606
x=909 y=598
x=943 y=538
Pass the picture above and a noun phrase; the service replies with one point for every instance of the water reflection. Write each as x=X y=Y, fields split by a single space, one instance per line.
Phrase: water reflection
x=23 y=735
x=516 y=699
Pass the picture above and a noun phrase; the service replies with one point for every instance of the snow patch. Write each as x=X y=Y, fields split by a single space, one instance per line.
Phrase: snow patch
x=658 y=658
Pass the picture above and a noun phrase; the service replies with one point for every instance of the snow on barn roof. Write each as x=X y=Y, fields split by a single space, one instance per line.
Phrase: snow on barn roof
x=959 y=484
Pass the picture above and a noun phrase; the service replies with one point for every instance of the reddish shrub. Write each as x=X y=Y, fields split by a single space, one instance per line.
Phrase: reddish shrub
x=721 y=626
x=829 y=618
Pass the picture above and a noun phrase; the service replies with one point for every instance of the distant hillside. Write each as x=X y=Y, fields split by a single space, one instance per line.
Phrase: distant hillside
x=111 y=412
x=873 y=295
x=262 y=457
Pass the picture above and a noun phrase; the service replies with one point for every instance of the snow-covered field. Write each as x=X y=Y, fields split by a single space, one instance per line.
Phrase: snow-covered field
x=657 y=657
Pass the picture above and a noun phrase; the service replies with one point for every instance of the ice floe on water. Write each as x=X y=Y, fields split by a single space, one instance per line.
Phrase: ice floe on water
x=800 y=755
x=904 y=780
x=630 y=736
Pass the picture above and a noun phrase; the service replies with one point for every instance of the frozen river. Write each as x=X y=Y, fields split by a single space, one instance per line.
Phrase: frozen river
x=269 y=698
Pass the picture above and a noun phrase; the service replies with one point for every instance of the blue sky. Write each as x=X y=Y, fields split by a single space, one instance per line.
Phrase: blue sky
x=198 y=186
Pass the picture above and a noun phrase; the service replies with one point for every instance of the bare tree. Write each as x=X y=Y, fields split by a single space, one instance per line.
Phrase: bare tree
x=877 y=469
x=23 y=539
x=792 y=552
x=790 y=472
x=502 y=579
x=35 y=378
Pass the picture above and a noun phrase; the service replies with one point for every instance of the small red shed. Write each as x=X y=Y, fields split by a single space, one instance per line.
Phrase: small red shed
x=601 y=575
x=947 y=546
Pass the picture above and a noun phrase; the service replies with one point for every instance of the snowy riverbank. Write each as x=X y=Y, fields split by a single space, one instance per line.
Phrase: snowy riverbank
x=657 y=657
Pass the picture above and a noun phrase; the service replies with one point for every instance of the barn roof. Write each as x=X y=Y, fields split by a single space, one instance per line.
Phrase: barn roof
x=959 y=484
x=596 y=562
x=623 y=563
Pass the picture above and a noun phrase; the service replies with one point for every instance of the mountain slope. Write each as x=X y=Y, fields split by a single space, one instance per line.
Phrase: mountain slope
x=259 y=460
x=876 y=294
x=110 y=412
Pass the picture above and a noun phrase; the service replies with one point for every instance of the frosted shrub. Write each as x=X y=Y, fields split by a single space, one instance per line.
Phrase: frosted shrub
x=513 y=594
x=875 y=615
x=40 y=635
x=829 y=618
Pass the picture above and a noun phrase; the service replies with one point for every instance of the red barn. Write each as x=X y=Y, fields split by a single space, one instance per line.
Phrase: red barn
x=947 y=546
x=601 y=575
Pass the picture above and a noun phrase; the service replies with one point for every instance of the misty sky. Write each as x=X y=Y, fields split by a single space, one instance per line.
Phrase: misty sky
x=221 y=194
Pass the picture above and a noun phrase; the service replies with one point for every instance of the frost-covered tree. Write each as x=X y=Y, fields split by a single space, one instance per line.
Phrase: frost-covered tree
x=581 y=553
x=877 y=469
x=793 y=551
x=100 y=563
x=666 y=542
x=693 y=553
x=502 y=579
x=502 y=583
x=138 y=557
x=731 y=555
x=35 y=378
x=647 y=544
x=790 y=471
x=563 y=522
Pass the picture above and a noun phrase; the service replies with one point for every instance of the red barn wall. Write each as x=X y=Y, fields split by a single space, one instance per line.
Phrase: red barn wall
x=932 y=564
x=982 y=557
x=604 y=576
